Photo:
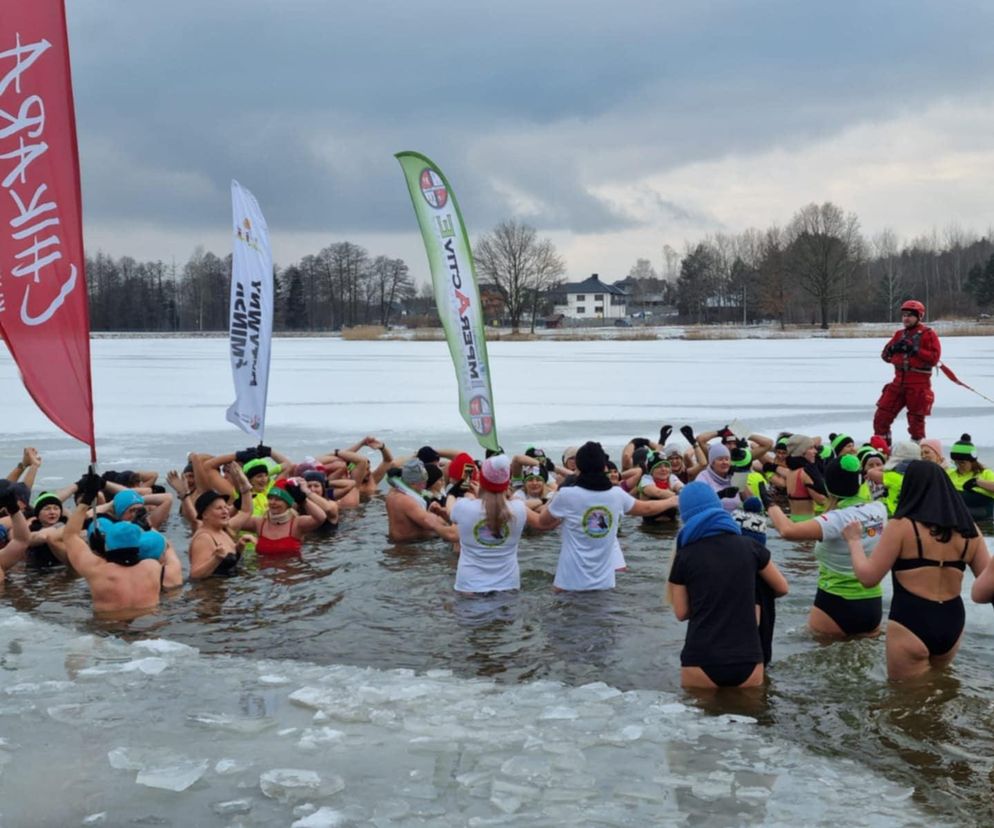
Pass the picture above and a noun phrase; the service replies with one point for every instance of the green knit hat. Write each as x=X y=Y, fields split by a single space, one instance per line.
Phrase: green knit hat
x=254 y=467
x=839 y=442
x=744 y=461
x=963 y=449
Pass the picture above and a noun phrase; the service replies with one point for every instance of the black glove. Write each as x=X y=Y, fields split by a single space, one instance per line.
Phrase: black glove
x=549 y=466
x=765 y=496
x=9 y=502
x=664 y=434
x=92 y=485
x=243 y=456
x=639 y=442
x=970 y=485
x=263 y=451
x=298 y=494
x=728 y=491
x=688 y=432
x=900 y=347
x=725 y=432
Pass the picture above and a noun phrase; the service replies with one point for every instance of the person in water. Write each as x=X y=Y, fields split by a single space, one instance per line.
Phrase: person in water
x=132 y=567
x=974 y=482
x=590 y=512
x=408 y=516
x=712 y=584
x=926 y=548
x=280 y=530
x=489 y=531
x=843 y=607
x=914 y=351
x=213 y=549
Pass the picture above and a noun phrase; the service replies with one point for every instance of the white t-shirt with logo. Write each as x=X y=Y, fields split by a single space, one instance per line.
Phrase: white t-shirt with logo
x=590 y=521
x=487 y=563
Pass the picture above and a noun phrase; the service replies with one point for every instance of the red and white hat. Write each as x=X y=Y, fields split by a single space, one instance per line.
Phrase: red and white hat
x=496 y=473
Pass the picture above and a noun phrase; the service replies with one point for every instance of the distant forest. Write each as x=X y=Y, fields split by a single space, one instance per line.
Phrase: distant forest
x=817 y=270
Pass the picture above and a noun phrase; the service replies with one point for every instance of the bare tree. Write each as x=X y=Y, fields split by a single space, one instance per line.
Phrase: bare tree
x=389 y=282
x=825 y=250
x=885 y=247
x=775 y=282
x=520 y=265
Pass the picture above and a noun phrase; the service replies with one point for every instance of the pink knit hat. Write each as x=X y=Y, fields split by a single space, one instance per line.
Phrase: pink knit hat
x=935 y=445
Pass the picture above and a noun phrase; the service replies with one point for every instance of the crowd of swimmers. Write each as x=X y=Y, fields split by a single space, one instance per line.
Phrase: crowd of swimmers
x=869 y=509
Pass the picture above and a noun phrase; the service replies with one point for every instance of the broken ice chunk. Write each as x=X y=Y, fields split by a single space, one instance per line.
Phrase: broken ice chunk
x=286 y=784
x=232 y=806
x=321 y=818
x=177 y=776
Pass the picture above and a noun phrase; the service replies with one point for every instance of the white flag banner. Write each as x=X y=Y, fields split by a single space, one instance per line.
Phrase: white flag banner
x=251 y=321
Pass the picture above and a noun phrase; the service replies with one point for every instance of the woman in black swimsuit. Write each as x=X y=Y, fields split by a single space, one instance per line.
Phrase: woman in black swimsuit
x=213 y=550
x=927 y=547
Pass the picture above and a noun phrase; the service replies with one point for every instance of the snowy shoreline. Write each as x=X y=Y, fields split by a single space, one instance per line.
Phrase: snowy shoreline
x=863 y=330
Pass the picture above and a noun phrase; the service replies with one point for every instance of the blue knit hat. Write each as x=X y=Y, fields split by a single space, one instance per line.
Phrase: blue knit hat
x=122 y=535
x=125 y=500
x=151 y=546
x=695 y=498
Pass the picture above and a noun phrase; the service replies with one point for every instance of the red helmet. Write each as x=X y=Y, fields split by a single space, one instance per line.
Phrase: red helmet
x=915 y=307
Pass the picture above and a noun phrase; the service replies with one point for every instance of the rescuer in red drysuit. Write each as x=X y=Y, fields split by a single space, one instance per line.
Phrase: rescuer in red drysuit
x=913 y=351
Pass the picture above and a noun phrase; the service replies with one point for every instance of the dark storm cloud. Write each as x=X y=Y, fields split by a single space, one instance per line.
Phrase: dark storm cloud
x=305 y=102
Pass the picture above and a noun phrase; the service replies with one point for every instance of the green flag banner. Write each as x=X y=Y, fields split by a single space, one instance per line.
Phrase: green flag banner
x=456 y=293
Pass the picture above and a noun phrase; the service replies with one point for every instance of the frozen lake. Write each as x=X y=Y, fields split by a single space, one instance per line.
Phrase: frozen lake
x=397 y=704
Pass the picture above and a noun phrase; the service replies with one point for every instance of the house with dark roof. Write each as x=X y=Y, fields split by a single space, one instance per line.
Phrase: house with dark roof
x=591 y=299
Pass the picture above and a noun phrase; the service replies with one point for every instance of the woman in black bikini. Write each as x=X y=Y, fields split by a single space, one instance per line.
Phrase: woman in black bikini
x=927 y=547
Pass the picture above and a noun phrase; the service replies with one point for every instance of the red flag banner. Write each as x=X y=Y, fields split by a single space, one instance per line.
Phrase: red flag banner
x=44 y=313
x=949 y=373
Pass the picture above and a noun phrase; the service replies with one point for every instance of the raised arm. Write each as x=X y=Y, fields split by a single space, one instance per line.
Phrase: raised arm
x=871 y=570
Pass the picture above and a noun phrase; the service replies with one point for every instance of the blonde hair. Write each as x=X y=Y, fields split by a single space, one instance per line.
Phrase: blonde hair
x=496 y=511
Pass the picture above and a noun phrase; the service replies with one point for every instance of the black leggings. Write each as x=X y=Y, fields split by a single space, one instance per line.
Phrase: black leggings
x=729 y=675
x=855 y=616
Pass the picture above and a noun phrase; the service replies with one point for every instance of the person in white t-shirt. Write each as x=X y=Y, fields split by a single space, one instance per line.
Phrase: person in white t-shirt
x=590 y=512
x=489 y=531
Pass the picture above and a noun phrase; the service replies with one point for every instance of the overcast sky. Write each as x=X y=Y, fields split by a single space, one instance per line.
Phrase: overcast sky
x=614 y=128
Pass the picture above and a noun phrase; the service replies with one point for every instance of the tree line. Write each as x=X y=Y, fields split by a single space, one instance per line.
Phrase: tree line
x=340 y=286
x=817 y=269
x=820 y=269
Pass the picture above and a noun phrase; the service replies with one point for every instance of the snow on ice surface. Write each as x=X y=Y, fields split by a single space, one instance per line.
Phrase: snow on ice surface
x=408 y=750
x=559 y=392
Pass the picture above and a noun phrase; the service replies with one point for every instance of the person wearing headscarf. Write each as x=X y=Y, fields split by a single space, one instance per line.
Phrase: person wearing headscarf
x=489 y=531
x=843 y=607
x=926 y=547
x=712 y=584
x=590 y=512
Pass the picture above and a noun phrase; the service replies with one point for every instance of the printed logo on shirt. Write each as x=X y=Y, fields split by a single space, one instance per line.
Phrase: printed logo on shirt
x=596 y=521
x=485 y=537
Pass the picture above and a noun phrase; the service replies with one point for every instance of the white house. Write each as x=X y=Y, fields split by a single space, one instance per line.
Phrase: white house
x=592 y=299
